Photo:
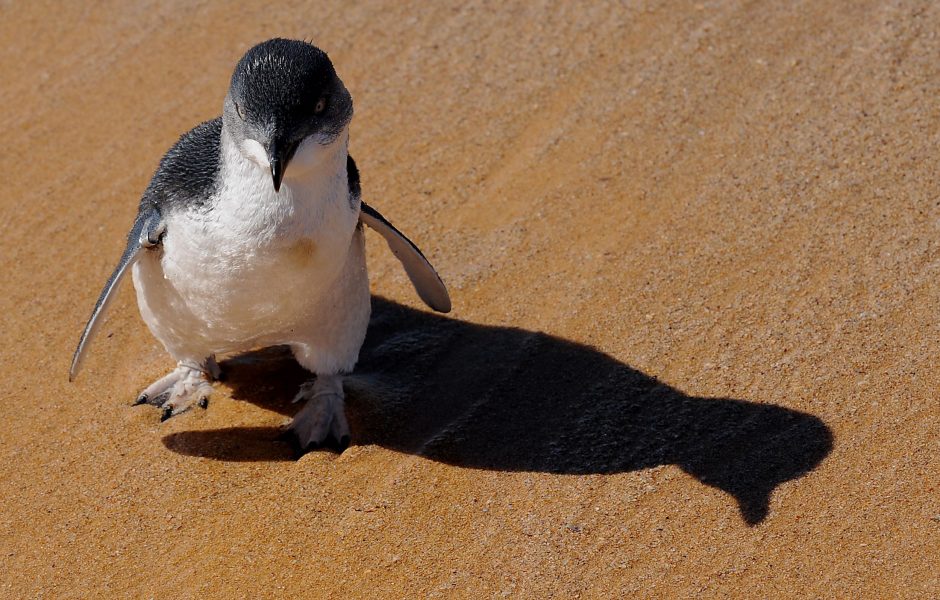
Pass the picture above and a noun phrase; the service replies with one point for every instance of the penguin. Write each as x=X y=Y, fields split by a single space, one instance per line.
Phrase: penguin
x=250 y=234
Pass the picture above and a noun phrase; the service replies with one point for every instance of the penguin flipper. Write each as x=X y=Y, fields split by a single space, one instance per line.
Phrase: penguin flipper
x=425 y=279
x=147 y=232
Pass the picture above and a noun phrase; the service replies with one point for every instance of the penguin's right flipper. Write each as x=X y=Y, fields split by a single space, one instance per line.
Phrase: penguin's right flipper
x=147 y=232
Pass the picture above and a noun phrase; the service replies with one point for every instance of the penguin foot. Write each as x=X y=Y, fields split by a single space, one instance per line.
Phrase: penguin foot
x=322 y=419
x=179 y=390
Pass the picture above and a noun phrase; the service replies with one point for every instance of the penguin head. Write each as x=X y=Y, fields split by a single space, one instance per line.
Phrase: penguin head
x=285 y=95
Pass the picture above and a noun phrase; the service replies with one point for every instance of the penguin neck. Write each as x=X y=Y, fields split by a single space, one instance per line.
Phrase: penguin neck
x=314 y=161
x=314 y=186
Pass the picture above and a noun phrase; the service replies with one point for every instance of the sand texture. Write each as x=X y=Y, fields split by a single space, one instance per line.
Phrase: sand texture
x=693 y=249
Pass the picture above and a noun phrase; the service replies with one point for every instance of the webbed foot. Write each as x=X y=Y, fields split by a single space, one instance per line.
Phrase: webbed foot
x=322 y=418
x=179 y=390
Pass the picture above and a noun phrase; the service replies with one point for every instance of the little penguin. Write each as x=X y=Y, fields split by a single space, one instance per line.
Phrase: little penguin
x=250 y=235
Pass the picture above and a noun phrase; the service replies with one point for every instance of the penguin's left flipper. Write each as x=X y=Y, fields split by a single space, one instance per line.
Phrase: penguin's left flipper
x=146 y=233
x=427 y=282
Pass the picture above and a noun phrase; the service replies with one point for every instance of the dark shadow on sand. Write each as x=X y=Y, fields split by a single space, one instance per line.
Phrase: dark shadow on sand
x=516 y=400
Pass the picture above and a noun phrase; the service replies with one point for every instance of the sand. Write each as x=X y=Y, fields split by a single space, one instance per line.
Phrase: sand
x=693 y=252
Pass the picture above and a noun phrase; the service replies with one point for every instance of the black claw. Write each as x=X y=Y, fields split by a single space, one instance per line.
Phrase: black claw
x=203 y=403
x=142 y=399
x=167 y=413
x=287 y=436
x=300 y=451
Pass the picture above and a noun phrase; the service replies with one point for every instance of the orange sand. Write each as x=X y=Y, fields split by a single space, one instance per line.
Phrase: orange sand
x=693 y=253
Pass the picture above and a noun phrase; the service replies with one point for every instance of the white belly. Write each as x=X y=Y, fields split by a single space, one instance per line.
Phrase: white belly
x=259 y=268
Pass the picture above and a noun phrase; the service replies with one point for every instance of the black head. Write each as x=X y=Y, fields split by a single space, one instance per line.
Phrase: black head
x=282 y=93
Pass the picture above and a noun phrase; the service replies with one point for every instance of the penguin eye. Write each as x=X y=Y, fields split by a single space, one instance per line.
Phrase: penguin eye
x=240 y=110
x=321 y=106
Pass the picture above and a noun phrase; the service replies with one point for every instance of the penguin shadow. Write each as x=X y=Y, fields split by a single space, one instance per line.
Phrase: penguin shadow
x=514 y=400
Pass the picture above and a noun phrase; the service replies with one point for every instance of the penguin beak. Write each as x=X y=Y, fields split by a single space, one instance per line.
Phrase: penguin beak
x=279 y=154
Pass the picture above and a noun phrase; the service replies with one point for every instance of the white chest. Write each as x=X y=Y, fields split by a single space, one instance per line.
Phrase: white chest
x=253 y=262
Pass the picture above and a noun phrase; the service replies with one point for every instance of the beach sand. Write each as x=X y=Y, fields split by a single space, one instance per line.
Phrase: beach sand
x=693 y=253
